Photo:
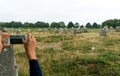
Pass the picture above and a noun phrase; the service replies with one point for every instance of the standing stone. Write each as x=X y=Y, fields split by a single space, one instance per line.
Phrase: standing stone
x=18 y=32
x=78 y=30
x=5 y=28
x=117 y=29
x=46 y=30
x=61 y=30
x=64 y=30
x=12 y=29
x=29 y=30
x=111 y=28
x=103 y=32
x=57 y=30
x=106 y=28
x=84 y=29
x=74 y=31
x=8 y=63
x=49 y=29
x=39 y=30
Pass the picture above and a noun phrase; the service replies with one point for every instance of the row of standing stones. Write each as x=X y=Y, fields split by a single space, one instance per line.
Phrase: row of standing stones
x=74 y=31
x=105 y=30
x=56 y=30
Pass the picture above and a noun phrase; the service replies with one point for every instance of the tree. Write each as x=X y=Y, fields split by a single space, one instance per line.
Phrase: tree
x=88 y=25
x=70 y=24
x=55 y=24
x=46 y=25
x=76 y=25
x=15 y=24
x=95 y=25
x=111 y=23
x=41 y=24
x=81 y=26
x=62 y=24
x=5 y=24
x=27 y=24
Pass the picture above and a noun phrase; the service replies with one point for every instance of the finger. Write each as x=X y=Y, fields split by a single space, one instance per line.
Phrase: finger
x=7 y=45
x=29 y=36
x=24 y=41
x=33 y=38
x=0 y=38
x=5 y=36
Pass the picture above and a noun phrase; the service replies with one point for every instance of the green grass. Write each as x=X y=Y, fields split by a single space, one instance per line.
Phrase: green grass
x=72 y=55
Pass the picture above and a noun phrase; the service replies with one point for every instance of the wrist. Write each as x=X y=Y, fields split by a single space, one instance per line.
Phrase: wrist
x=32 y=56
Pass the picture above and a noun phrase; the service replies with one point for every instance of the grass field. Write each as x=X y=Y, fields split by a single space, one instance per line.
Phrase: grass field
x=85 y=54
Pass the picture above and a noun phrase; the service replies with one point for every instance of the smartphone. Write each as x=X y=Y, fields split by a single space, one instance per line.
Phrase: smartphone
x=17 y=39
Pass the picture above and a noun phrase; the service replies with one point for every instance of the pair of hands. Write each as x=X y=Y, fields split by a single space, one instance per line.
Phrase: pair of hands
x=29 y=44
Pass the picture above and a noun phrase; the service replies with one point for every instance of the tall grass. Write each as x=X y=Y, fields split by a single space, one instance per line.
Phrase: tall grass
x=72 y=55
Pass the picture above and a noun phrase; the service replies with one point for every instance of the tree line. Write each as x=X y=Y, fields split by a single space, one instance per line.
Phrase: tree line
x=110 y=23
x=41 y=24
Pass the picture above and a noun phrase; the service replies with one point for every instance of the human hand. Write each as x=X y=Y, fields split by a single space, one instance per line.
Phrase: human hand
x=3 y=37
x=30 y=45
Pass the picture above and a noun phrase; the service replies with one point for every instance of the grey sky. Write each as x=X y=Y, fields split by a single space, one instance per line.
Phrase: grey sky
x=81 y=11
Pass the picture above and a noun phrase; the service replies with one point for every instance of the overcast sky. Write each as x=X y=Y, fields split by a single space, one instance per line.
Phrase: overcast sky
x=81 y=11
